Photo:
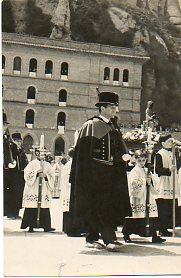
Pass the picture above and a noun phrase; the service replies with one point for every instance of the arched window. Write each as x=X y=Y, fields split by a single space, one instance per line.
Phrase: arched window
x=61 y=119
x=116 y=75
x=125 y=75
x=64 y=70
x=48 y=68
x=3 y=62
x=17 y=64
x=62 y=97
x=61 y=122
x=59 y=147
x=29 y=121
x=33 y=67
x=106 y=74
x=31 y=95
x=31 y=92
x=27 y=145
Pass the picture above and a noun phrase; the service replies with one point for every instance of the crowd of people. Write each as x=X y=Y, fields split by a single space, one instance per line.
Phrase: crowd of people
x=97 y=189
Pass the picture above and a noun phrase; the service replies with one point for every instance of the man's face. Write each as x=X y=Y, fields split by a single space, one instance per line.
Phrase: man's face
x=140 y=161
x=18 y=143
x=168 y=144
x=40 y=155
x=109 y=111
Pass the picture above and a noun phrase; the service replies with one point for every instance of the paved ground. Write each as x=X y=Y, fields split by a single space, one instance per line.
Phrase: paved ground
x=55 y=254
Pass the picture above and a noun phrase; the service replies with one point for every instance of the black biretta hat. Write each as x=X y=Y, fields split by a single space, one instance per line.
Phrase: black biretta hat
x=107 y=98
x=164 y=137
x=16 y=136
x=5 y=119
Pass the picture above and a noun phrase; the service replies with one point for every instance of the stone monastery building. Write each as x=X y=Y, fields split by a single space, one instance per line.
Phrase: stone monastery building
x=49 y=86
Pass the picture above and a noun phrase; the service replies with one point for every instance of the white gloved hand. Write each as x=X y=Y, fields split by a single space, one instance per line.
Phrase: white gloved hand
x=126 y=157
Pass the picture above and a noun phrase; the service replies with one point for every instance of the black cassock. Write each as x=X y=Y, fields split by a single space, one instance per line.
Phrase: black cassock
x=165 y=206
x=99 y=190
x=16 y=181
x=6 y=174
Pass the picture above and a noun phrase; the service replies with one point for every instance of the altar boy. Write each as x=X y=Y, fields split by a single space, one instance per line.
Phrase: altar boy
x=165 y=168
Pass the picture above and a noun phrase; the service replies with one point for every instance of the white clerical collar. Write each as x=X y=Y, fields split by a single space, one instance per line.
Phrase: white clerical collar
x=104 y=119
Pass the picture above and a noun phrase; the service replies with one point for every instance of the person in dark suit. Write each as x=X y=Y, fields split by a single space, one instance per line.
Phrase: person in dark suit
x=16 y=184
x=99 y=192
x=7 y=159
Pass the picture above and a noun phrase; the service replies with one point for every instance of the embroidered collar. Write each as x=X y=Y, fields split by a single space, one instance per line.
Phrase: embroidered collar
x=104 y=119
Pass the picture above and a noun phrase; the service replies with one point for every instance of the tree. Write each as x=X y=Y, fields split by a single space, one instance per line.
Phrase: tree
x=7 y=17
x=37 y=23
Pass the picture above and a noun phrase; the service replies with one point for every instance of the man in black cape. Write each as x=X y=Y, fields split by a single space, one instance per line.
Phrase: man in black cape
x=99 y=192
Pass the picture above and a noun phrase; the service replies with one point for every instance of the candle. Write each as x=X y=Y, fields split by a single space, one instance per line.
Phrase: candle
x=42 y=141
x=149 y=133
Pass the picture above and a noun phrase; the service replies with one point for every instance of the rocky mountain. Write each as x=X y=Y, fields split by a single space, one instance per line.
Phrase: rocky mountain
x=153 y=26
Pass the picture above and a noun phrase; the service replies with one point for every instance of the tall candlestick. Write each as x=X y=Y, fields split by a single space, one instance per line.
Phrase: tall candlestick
x=42 y=137
x=149 y=134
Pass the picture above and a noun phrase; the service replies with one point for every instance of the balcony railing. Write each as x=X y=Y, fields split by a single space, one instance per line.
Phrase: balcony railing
x=32 y=73
x=63 y=77
x=29 y=125
x=62 y=103
x=17 y=72
x=31 y=101
x=48 y=75
x=125 y=84
x=61 y=129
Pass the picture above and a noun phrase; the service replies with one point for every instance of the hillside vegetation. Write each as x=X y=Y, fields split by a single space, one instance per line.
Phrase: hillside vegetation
x=113 y=22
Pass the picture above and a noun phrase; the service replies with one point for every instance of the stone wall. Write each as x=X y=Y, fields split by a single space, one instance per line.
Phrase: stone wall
x=85 y=74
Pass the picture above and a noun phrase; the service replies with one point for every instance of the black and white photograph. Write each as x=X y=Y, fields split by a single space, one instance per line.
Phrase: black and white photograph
x=91 y=138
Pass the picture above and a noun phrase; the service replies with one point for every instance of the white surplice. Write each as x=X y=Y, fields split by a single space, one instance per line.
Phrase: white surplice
x=30 y=195
x=137 y=192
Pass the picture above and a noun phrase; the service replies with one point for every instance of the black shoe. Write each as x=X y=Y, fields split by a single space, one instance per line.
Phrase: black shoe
x=114 y=246
x=127 y=238
x=75 y=234
x=30 y=230
x=49 y=230
x=158 y=239
x=117 y=243
x=18 y=217
x=165 y=233
x=12 y=218
x=95 y=244
x=15 y=217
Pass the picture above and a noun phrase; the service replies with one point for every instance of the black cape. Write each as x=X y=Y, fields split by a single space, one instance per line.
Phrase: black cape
x=99 y=192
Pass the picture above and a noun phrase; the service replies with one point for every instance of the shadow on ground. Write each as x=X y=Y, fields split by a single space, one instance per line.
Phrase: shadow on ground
x=132 y=250
x=9 y=232
x=167 y=243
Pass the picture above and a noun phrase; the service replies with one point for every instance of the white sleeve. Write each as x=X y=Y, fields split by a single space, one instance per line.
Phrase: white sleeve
x=51 y=177
x=137 y=185
x=30 y=174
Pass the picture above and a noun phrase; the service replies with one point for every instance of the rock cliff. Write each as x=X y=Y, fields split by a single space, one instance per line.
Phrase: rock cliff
x=149 y=25
x=61 y=21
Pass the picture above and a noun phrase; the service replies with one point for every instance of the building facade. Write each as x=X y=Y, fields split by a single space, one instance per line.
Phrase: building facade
x=49 y=86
